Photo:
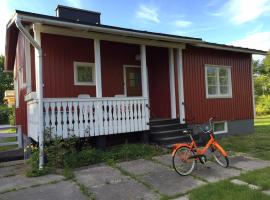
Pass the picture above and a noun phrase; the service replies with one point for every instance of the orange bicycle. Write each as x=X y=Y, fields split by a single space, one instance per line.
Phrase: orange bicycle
x=185 y=155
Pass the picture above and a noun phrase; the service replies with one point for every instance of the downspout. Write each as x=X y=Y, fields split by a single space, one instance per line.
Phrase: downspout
x=39 y=89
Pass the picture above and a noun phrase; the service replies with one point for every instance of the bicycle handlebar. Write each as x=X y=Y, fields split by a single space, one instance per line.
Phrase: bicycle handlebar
x=210 y=124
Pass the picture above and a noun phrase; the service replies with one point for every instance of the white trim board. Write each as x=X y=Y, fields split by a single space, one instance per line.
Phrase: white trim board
x=108 y=37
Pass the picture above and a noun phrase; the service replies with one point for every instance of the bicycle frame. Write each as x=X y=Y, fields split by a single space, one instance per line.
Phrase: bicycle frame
x=195 y=148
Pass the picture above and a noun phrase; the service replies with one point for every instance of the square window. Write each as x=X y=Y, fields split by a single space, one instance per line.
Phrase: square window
x=84 y=73
x=220 y=127
x=218 y=81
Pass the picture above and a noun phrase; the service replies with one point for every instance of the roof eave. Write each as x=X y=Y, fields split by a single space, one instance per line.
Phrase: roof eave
x=230 y=48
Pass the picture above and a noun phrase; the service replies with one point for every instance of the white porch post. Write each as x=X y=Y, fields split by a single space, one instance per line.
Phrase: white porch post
x=28 y=66
x=180 y=85
x=172 y=83
x=144 y=72
x=39 y=92
x=98 y=68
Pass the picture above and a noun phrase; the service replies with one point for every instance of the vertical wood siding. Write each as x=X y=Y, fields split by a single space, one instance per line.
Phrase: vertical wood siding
x=197 y=106
x=159 y=81
x=20 y=112
x=113 y=57
x=59 y=53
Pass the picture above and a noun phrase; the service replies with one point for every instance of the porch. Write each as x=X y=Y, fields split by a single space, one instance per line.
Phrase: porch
x=121 y=80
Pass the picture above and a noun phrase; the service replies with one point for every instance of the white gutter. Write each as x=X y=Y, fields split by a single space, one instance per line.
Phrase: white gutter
x=39 y=88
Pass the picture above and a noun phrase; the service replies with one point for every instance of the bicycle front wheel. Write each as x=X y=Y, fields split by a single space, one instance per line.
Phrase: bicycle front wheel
x=222 y=160
x=182 y=163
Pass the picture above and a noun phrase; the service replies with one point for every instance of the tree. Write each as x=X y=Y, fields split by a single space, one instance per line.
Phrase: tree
x=266 y=63
x=6 y=80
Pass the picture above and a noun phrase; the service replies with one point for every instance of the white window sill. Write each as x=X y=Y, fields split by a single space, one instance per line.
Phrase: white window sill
x=85 y=84
x=219 y=97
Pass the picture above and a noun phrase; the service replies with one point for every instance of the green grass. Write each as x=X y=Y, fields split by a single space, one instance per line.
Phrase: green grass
x=259 y=177
x=256 y=144
x=11 y=130
x=226 y=191
x=12 y=139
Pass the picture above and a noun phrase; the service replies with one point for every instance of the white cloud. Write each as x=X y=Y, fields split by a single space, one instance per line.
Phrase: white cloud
x=259 y=40
x=74 y=3
x=148 y=13
x=6 y=14
x=182 y=23
x=243 y=11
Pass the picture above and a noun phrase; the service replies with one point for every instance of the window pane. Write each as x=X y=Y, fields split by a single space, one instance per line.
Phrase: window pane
x=131 y=75
x=211 y=71
x=84 y=74
x=223 y=81
x=212 y=90
x=212 y=81
x=223 y=72
x=132 y=82
x=224 y=89
x=219 y=126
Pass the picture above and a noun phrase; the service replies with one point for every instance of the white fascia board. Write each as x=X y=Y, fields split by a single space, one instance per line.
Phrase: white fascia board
x=105 y=30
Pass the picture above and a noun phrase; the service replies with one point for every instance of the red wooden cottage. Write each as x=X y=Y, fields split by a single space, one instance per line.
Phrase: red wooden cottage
x=74 y=75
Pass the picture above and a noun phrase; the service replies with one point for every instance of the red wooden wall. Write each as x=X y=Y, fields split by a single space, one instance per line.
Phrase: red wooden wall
x=21 y=112
x=159 y=81
x=113 y=57
x=240 y=106
x=59 y=53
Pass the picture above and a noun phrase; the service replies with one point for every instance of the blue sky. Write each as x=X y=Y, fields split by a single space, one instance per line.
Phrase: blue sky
x=239 y=22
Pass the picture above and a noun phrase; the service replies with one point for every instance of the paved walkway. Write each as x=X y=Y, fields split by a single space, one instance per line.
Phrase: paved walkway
x=139 y=179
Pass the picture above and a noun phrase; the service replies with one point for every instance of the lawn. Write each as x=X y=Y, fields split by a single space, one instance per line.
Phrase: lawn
x=11 y=139
x=259 y=177
x=256 y=144
x=226 y=191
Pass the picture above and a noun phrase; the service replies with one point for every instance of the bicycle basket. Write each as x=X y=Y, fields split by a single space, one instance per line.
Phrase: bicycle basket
x=204 y=137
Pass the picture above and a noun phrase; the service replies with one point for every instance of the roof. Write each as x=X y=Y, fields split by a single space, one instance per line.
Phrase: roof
x=40 y=18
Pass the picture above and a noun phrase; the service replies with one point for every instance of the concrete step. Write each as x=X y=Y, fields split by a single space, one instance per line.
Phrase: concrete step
x=163 y=121
x=165 y=127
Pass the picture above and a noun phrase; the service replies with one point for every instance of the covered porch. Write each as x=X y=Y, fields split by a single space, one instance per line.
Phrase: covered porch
x=134 y=80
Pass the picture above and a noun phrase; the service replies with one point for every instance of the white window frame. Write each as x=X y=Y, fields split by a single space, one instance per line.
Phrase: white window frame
x=85 y=64
x=125 y=76
x=225 y=127
x=218 y=95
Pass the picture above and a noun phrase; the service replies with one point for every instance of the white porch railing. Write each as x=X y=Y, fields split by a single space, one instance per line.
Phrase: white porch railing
x=32 y=119
x=65 y=117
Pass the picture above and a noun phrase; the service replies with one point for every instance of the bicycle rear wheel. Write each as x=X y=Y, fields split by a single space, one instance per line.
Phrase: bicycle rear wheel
x=182 y=163
x=222 y=160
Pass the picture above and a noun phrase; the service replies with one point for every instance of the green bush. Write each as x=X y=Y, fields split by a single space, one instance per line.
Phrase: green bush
x=263 y=105
x=75 y=152
x=7 y=115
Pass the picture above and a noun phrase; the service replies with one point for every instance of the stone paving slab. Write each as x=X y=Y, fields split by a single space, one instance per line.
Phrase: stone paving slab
x=59 y=191
x=168 y=182
x=212 y=172
x=11 y=163
x=248 y=163
x=127 y=189
x=182 y=198
x=108 y=183
x=267 y=192
x=164 y=159
x=140 y=167
x=20 y=181
x=12 y=170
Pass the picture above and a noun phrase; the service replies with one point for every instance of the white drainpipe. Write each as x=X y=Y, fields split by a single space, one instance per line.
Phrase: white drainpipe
x=39 y=89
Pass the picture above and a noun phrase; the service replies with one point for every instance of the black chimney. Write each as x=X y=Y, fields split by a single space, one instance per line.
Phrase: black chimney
x=79 y=15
